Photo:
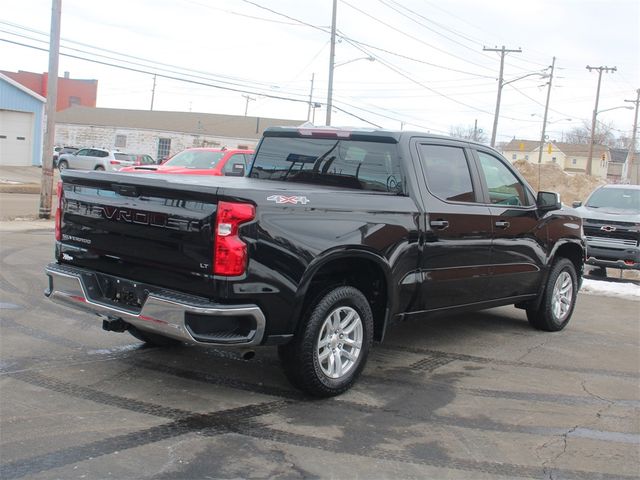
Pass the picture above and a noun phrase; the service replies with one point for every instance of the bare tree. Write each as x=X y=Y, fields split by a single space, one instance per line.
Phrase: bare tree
x=582 y=135
x=468 y=133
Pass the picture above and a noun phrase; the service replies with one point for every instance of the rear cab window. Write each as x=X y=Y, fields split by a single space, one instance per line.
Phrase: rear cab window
x=447 y=172
x=363 y=165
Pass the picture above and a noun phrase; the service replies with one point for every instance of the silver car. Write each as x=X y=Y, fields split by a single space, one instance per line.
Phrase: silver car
x=95 y=159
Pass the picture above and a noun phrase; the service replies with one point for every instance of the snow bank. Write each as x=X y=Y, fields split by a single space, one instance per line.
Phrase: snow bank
x=629 y=291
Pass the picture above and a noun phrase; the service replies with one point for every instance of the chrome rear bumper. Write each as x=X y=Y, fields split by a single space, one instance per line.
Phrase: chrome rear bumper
x=164 y=312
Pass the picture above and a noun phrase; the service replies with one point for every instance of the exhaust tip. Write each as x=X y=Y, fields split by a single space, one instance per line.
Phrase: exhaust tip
x=248 y=355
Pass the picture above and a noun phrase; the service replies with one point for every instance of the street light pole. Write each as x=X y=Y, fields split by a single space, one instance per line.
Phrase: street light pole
x=313 y=76
x=595 y=113
x=632 y=167
x=332 y=54
x=546 y=111
x=503 y=51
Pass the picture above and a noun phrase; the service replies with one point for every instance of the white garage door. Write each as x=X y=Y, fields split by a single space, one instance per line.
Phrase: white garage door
x=16 y=137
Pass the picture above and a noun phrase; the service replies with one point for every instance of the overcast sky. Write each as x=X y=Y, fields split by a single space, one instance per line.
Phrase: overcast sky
x=429 y=72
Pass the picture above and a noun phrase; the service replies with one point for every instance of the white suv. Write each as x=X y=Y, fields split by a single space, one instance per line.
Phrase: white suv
x=95 y=159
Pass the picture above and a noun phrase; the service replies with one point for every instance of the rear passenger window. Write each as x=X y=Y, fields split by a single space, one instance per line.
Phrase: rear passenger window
x=448 y=174
x=362 y=165
x=504 y=187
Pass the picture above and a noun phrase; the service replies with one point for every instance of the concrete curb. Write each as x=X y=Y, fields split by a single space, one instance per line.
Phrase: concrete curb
x=24 y=225
x=20 y=188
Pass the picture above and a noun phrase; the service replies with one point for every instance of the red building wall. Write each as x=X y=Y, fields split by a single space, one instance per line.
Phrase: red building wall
x=70 y=91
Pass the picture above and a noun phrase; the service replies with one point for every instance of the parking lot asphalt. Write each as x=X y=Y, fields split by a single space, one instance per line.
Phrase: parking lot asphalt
x=477 y=396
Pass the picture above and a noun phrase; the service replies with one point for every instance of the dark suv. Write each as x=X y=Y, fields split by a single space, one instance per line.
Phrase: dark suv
x=611 y=217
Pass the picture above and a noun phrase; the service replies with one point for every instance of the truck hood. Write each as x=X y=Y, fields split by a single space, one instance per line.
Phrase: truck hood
x=609 y=214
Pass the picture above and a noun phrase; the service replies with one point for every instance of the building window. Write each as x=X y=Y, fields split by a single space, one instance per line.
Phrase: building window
x=121 y=141
x=74 y=101
x=574 y=161
x=526 y=157
x=514 y=156
x=553 y=159
x=164 y=147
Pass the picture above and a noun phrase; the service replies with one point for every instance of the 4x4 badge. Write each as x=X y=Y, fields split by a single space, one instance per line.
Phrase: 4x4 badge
x=608 y=228
x=294 y=200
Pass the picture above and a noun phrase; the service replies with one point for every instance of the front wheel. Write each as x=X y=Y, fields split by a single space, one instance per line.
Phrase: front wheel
x=63 y=165
x=559 y=298
x=330 y=349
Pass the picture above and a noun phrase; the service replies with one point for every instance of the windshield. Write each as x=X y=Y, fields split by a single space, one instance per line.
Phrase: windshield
x=622 y=198
x=200 y=159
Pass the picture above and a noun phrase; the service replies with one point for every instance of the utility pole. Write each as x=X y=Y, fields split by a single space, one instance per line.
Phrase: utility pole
x=332 y=55
x=632 y=167
x=595 y=113
x=313 y=75
x=503 y=51
x=46 y=183
x=246 y=106
x=475 y=130
x=546 y=112
x=153 y=92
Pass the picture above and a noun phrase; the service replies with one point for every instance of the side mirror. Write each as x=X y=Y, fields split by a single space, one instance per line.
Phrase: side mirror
x=576 y=204
x=547 y=201
x=237 y=170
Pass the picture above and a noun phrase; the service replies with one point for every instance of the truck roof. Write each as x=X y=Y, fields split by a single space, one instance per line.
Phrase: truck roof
x=355 y=133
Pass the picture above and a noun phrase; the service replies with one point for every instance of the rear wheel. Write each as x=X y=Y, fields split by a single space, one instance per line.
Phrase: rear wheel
x=152 y=339
x=559 y=298
x=330 y=350
x=63 y=165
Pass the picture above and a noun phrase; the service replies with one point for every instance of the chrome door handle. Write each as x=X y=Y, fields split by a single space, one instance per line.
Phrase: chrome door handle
x=501 y=224
x=439 y=224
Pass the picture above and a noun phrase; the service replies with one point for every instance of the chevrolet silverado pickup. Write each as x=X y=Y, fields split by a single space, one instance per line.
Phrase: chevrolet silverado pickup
x=334 y=235
x=611 y=217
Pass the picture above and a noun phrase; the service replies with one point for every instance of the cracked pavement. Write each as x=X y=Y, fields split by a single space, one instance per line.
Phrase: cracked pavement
x=478 y=396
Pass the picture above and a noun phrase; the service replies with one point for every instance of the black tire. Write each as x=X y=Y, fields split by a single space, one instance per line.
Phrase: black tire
x=152 y=339
x=63 y=165
x=99 y=168
x=547 y=317
x=301 y=358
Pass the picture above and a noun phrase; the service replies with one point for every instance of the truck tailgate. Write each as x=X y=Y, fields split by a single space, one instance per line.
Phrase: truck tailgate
x=152 y=230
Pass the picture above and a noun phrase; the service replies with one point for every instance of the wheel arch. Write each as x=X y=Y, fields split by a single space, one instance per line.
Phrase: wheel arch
x=365 y=270
x=571 y=250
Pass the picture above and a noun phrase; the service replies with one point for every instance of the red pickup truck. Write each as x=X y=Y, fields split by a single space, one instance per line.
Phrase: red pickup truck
x=202 y=161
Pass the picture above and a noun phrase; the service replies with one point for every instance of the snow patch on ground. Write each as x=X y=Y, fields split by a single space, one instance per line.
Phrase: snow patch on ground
x=629 y=291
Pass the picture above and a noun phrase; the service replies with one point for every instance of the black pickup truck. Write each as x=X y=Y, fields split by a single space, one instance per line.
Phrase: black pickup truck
x=334 y=235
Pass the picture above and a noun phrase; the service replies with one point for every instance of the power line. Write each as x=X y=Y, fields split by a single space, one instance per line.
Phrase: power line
x=416 y=14
x=277 y=97
x=413 y=37
x=345 y=37
x=93 y=47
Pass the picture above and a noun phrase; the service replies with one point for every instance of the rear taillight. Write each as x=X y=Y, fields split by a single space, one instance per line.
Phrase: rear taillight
x=59 y=193
x=230 y=252
x=115 y=162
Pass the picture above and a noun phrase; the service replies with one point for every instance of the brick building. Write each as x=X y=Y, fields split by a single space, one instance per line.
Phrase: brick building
x=71 y=91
